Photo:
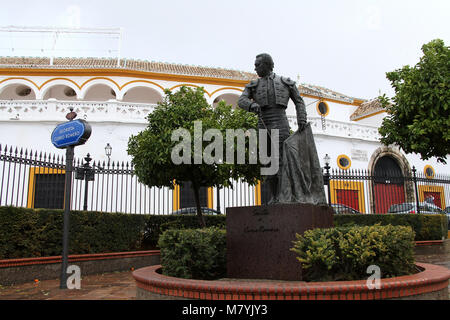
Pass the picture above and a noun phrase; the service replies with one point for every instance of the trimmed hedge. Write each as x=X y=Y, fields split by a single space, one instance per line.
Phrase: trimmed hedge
x=194 y=253
x=345 y=253
x=38 y=232
x=425 y=226
x=26 y=233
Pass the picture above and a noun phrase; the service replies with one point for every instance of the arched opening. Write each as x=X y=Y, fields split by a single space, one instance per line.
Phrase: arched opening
x=99 y=92
x=389 y=184
x=229 y=98
x=142 y=95
x=60 y=92
x=17 y=91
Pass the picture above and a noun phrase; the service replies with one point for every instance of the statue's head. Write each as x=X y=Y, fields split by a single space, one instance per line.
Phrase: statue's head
x=263 y=64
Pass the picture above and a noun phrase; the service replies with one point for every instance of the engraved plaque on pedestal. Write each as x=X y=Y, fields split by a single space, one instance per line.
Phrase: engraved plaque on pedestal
x=259 y=239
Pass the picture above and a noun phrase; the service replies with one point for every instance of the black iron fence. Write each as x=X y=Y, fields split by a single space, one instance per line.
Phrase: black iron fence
x=36 y=180
x=388 y=191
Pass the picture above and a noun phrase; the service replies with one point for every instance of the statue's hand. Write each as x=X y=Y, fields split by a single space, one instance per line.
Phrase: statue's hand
x=255 y=108
x=301 y=125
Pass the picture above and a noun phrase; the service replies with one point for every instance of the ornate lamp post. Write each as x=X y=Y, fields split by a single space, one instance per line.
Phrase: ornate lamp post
x=326 y=176
x=108 y=150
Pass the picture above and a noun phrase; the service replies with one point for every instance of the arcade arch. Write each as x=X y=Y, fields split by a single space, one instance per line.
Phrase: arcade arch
x=99 y=92
x=60 y=92
x=142 y=94
x=229 y=98
x=17 y=91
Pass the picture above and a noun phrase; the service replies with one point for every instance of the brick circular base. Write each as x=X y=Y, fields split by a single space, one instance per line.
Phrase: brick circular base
x=432 y=282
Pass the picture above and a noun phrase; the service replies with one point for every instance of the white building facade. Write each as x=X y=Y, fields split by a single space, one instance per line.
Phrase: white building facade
x=115 y=98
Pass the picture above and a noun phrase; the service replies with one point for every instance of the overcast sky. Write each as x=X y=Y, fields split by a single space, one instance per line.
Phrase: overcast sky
x=345 y=45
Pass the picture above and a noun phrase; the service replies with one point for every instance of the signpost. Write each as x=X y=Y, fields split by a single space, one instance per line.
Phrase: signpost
x=67 y=135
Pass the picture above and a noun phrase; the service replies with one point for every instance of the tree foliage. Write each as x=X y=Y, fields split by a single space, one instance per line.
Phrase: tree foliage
x=151 y=149
x=418 y=115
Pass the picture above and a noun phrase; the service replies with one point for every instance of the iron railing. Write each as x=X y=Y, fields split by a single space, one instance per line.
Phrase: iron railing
x=36 y=180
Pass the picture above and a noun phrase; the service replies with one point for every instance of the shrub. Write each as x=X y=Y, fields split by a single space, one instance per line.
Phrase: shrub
x=157 y=224
x=425 y=226
x=344 y=253
x=193 y=253
x=36 y=233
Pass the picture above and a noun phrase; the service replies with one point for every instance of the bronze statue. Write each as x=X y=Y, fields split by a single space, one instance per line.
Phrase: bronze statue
x=299 y=178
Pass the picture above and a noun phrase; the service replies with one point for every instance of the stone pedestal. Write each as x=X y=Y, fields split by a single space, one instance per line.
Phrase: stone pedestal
x=259 y=239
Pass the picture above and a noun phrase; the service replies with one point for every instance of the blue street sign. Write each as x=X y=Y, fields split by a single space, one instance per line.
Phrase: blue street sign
x=72 y=133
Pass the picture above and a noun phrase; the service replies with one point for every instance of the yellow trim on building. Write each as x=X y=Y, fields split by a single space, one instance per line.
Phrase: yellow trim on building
x=370 y=115
x=425 y=171
x=431 y=188
x=104 y=73
x=348 y=185
x=343 y=156
x=20 y=78
x=176 y=197
x=226 y=88
x=123 y=73
x=258 y=194
x=176 y=205
x=210 y=197
x=32 y=183
x=356 y=102
x=318 y=110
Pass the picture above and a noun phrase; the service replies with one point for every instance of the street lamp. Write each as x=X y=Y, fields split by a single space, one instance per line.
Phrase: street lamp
x=108 y=150
x=326 y=176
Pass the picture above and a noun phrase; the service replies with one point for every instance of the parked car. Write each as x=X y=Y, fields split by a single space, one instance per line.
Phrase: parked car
x=447 y=211
x=411 y=207
x=343 y=209
x=193 y=210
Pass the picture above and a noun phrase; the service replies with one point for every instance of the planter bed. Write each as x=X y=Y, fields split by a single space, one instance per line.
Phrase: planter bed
x=430 y=283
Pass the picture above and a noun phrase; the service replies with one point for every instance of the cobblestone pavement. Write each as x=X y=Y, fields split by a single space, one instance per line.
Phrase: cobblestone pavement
x=121 y=285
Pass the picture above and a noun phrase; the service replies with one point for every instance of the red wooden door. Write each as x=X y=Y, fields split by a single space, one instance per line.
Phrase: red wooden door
x=348 y=198
x=386 y=195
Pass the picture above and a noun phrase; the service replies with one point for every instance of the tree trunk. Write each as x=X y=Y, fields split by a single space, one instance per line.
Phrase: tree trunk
x=201 y=219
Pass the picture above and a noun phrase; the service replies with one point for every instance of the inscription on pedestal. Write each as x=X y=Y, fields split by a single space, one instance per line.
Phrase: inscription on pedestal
x=259 y=239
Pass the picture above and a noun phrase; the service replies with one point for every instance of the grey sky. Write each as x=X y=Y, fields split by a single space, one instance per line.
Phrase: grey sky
x=346 y=45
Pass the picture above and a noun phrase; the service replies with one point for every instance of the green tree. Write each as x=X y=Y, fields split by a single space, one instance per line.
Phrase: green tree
x=418 y=117
x=152 y=149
